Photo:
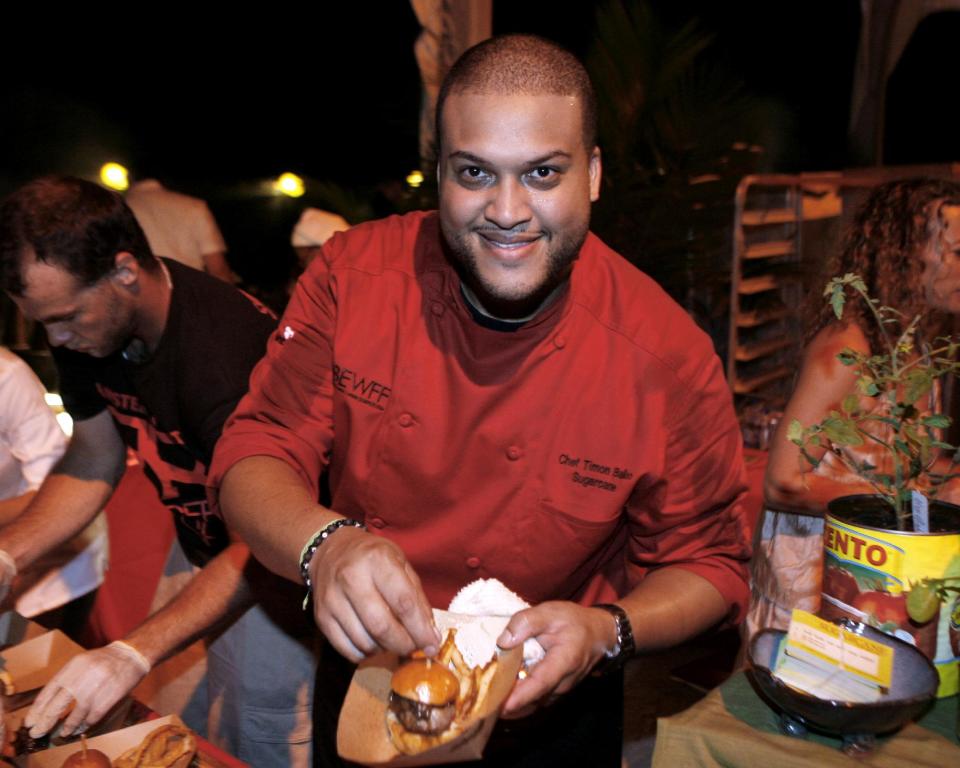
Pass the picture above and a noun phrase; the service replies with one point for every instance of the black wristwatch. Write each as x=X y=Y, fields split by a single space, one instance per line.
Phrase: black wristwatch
x=625 y=646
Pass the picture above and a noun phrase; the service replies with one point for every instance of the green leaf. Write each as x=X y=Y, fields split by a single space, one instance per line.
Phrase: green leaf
x=837 y=300
x=851 y=403
x=868 y=386
x=795 y=432
x=937 y=420
x=814 y=462
x=841 y=431
x=913 y=433
x=919 y=383
x=883 y=420
x=846 y=357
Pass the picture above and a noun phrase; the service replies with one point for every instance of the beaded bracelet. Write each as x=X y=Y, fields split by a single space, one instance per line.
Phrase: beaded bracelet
x=313 y=544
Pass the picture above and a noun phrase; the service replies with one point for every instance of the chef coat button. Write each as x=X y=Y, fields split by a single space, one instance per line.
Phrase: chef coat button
x=514 y=453
x=437 y=308
x=473 y=562
x=378 y=522
x=405 y=420
x=559 y=342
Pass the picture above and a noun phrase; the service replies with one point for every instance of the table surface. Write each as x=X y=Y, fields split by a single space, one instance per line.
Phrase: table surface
x=733 y=727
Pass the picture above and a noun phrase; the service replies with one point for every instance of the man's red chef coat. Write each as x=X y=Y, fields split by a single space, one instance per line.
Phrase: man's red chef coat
x=566 y=459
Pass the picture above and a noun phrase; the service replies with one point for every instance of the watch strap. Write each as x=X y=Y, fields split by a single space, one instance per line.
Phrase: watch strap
x=625 y=646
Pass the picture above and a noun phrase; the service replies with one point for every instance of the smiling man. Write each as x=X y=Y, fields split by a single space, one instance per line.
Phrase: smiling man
x=495 y=393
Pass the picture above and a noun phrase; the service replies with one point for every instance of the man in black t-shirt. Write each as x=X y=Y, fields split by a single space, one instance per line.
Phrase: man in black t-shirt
x=152 y=356
x=169 y=405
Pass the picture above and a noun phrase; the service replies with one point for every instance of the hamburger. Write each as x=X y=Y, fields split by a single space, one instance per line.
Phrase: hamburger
x=87 y=758
x=93 y=758
x=432 y=700
x=423 y=696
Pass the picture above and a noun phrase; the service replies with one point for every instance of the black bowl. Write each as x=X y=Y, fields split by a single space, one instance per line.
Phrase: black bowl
x=913 y=687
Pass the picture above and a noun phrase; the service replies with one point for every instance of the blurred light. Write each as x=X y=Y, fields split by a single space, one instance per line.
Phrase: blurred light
x=53 y=400
x=115 y=176
x=415 y=179
x=289 y=184
x=65 y=422
x=55 y=403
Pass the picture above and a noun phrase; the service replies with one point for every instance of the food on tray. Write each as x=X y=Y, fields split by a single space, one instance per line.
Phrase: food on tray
x=431 y=700
x=7 y=683
x=87 y=758
x=24 y=743
x=423 y=696
x=170 y=746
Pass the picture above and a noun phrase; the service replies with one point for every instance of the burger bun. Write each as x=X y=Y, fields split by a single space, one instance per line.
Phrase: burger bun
x=91 y=758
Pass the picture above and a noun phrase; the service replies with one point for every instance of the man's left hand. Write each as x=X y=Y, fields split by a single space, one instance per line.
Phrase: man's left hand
x=575 y=638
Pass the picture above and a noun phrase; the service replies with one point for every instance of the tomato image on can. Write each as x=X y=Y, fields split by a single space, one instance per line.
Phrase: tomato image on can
x=888 y=579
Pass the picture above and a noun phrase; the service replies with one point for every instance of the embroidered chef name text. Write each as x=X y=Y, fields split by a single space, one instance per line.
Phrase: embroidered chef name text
x=359 y=387
x=592 y=474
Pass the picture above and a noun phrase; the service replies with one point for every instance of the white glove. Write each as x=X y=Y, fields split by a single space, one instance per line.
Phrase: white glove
x=95 y=680
x=8 y=572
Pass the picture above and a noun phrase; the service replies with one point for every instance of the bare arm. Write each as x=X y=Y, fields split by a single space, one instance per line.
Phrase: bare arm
x=90 y=684
x=11 y=508
x=216 y=593
x=264 y=501
x=823 y=383
x=366 y=595
x=73 y=493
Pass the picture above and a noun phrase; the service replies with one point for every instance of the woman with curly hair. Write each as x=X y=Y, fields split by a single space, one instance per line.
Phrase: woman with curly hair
x=905 y=244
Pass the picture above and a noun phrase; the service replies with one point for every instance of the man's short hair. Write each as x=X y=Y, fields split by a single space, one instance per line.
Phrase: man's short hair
x=524 y=64
x=69 y=223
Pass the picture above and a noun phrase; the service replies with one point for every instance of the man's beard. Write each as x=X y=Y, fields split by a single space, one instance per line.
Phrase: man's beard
x=121 y=332
x=508 y=302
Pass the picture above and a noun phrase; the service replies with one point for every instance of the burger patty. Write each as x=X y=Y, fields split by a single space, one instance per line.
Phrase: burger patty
x=418 y=717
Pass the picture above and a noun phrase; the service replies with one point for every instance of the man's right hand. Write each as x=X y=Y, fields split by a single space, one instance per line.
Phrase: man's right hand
x=367 y=597
x=92 y=682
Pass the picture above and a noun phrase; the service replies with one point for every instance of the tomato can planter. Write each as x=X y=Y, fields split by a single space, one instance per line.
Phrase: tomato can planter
x=869 y=566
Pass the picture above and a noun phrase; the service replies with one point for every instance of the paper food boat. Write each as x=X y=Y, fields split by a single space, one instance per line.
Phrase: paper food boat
x=30 y=665
x=15 y=628
x=362 y=730
x=113 y=720
x=111 y=744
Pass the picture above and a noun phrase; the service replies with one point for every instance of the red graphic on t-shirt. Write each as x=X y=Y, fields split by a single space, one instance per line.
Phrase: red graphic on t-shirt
x=179 y=477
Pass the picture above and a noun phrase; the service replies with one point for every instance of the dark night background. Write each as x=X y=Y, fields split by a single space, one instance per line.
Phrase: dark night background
x=333 y=93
